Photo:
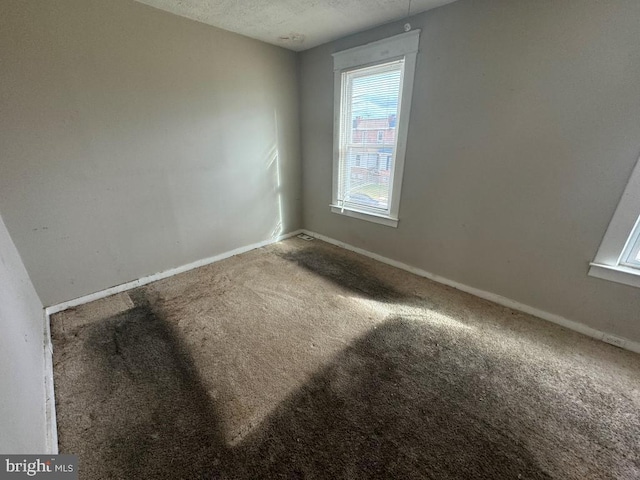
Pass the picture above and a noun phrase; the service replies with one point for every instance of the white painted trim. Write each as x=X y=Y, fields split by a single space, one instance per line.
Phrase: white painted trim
x=50 y=403
x=161 y=275
x=368 y=216
x=493 y=297
x=619 y=236
x=51 y=432
x=400 y=47
x=616 y=273
x=377 y=51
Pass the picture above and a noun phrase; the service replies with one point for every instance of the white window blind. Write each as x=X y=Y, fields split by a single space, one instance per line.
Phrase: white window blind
x=372 y=103
x=368 y=135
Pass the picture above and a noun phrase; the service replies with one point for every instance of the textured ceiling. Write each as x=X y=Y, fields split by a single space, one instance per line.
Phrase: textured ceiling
x=295 y=24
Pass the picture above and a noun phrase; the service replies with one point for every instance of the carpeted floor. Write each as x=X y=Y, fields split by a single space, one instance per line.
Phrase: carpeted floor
x=303 y=360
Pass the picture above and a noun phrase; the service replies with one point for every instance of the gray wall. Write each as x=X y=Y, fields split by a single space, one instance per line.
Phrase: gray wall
x=524 y=130
x=22 y=417
x=134 y=141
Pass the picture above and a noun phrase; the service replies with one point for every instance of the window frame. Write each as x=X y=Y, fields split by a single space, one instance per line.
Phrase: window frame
x=621 y=239
x=403 y=46
x=631 y=251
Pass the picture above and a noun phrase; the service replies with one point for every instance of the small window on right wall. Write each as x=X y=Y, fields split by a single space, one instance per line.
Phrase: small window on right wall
x=618 y=258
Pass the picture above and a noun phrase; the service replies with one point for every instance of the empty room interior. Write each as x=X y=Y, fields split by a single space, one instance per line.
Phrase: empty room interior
x=385 y=239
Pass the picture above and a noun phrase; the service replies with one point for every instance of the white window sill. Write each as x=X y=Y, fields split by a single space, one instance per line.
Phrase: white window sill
x=368 y=216
x=617 y=273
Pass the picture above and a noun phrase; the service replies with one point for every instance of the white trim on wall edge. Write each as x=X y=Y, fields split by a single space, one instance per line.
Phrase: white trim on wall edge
x=51 y=427
x=50 y=403
x=493 y=297
x=161 y=275
x=615 y=273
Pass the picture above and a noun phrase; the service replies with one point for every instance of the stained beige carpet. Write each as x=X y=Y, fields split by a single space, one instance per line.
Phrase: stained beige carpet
x=303 y=360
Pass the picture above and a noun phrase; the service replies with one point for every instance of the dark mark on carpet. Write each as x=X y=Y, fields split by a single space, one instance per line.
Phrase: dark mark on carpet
x=345 y=273
x=394 y=404
x=153 y=418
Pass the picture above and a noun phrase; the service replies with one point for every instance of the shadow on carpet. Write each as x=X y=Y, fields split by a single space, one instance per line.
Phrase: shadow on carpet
x=397 y=403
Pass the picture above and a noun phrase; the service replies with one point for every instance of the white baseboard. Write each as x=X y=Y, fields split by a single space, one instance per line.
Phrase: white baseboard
x=51 y=427
x=161 y=275
x=493 y=297
x=50 y=403
x=51 y=432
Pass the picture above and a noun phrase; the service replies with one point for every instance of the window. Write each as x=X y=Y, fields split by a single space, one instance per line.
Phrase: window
x=631 y=255
x=618 y=258
x=373 y=86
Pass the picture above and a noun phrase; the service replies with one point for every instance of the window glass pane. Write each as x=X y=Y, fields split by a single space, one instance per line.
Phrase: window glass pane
x=369 y=118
